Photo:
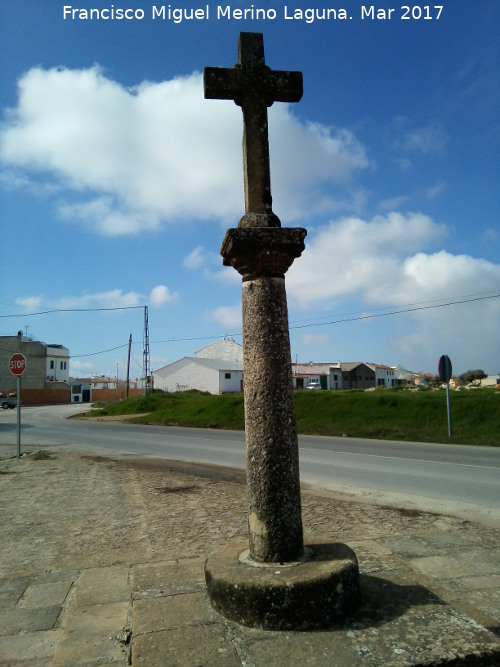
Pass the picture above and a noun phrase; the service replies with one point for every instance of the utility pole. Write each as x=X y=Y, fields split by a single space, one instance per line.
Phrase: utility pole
x=128 y=363
x=145 y=356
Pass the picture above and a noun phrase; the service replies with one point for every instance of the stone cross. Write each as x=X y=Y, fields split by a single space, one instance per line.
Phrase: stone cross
x=277 y=583
x=262 y=251
x=254 y=86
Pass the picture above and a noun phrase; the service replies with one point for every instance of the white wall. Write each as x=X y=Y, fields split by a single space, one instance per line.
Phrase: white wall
x=233 y=384
x=59 y=358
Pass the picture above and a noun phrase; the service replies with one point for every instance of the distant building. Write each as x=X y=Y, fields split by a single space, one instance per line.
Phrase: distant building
x=328 y=375
x=357 y=375
x=403 y=377
x=57 y=363
x=216 y=368
x=385 y=376
x=491 y=381
x=46 y=377
x=226 y=348
x=217 y=376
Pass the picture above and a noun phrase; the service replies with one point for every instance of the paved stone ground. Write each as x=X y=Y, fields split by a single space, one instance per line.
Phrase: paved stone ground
x=101 y=563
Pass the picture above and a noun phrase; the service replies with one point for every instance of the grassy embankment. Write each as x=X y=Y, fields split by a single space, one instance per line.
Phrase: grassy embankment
x=386 y=414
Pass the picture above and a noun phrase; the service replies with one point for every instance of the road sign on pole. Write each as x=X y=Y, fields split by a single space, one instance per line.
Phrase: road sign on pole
x=17 y=364
x=444 y=371
x=444 y=368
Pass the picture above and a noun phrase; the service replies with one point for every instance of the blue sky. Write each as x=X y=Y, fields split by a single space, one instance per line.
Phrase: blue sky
x=118 y=181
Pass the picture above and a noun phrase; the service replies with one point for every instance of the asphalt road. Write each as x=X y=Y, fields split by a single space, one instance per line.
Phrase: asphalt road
x=443 y=478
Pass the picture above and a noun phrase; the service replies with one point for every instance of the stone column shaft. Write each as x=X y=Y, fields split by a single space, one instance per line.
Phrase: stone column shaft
x=273 y=480
x=262 y=255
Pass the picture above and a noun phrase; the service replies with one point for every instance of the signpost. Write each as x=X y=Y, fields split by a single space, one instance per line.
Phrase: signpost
x=17 y=366
x=444 y=371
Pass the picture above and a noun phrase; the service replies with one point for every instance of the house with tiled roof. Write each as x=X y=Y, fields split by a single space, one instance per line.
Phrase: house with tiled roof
x=385 y=376
x=324 y=375
x=357 y=375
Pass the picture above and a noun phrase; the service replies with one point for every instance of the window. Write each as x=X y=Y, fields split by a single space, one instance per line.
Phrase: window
x=227 y=376
x=51 y=363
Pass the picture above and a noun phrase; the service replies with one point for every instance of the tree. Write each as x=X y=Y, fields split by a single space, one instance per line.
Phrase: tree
x=471 y=376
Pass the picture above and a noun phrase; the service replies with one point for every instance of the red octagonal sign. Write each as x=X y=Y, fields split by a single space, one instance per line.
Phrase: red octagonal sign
x=17 y=364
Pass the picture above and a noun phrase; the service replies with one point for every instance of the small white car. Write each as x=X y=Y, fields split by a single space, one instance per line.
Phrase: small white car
x=313 y=384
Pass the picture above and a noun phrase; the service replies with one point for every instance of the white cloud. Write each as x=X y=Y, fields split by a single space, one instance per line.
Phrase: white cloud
x=226 y=316
x=110 y=299
x=160 y=295
x=428 y=139
x=491 y=235
x=314 y=339
x=393 y=203
x=130 y=159
x=196 y=259
x=431 y=138
x=435 y=190
x=29 y=302
x=383 y=264
x=116 y=298
x=78 y=368
x=353 y=256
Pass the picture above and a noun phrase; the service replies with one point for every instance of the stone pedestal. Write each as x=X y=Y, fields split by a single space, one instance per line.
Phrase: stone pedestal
x=315 y=593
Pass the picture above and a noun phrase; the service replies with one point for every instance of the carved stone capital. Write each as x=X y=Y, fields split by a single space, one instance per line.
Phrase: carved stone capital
x=258 y=252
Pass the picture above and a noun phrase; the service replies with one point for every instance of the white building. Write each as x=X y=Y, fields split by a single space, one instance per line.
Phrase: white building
x=217 y=376
x=385 y=376
x=57 y=363
x=226 y=349
x=216 y=368
x=403 y=376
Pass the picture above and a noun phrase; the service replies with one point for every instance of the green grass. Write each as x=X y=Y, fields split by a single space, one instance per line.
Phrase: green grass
x=390 y=414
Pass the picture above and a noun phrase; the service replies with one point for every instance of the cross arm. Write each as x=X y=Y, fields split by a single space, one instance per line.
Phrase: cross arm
x=221 y=83
x=285 y=86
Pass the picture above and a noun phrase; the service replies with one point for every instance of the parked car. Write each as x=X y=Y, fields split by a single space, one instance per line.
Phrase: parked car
x=313 y=384
x=8 y=401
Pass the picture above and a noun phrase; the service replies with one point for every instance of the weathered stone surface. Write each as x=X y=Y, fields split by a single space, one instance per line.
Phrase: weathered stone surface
x=259 y=252
x=102 y=585
x=90 y=636
x=262 y=252
x=170 y=611
x=11 y=590
x=308 y=595
x=254 y=87
x=36 y=648
x=196 y=645
x=406 y=617
x=273 y=480
x=45 y=595
x=13 y=621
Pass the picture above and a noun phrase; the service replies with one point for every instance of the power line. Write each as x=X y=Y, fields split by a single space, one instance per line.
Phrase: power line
x=72 y=310
x=93 y=354
x=395 y=312
x=375 y=315
x=411 y=308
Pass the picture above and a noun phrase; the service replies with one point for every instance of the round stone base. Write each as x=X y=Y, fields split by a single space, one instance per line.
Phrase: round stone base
x=314 y=593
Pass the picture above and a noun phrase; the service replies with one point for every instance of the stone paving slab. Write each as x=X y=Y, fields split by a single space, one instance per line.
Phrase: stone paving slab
x=14 y=621
x=101 y=563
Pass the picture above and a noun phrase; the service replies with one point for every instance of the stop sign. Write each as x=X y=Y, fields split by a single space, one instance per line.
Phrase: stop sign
x=444 y=368
x=17 y=364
